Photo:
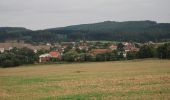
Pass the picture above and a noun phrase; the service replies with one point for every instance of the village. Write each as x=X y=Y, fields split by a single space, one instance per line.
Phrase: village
x=57 y=51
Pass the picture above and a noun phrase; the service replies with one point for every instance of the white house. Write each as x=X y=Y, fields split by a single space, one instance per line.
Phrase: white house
x=113 y=47
x=44 y=57
x=2 y=50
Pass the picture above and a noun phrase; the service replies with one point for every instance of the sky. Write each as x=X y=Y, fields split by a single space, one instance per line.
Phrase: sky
x=42 y=14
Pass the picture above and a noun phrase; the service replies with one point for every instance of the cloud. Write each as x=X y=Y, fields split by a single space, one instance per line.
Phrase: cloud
x=39 y=14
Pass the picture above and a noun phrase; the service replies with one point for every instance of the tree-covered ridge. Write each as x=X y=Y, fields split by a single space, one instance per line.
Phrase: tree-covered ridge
x=139 y=31
x=112 y=26
x=13 y=29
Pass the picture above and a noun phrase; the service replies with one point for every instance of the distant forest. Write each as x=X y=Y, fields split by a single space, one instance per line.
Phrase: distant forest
x=135 y=31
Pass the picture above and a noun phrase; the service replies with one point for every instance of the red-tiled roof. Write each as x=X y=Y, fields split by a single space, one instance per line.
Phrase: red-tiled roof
x=98 y=51
x=54 y=54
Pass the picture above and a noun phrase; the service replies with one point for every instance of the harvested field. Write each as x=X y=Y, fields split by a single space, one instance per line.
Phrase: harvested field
x=124 y=80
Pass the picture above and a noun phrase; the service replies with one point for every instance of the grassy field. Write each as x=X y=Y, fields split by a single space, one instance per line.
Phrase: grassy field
x=127 y=80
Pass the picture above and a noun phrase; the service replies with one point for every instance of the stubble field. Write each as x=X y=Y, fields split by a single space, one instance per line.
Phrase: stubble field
x=124 y=80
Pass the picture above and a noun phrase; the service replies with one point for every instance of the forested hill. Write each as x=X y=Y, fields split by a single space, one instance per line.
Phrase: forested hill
x=111 y=26
x=140 y=31
x=13 y=29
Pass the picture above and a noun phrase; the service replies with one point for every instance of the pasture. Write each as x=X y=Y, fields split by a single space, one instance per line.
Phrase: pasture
x=120 y=80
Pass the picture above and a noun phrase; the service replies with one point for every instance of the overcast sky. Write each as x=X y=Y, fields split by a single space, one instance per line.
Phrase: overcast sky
x=40 y=14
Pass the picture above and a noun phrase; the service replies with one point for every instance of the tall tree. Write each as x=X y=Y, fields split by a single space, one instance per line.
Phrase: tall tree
x=147 y=51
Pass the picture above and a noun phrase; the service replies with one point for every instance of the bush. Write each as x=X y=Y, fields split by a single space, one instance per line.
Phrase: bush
x=7 y=63
x=16 y=62
x=147 y=51
x=100 y=57
x=54 y=59
x=70 y=56
x=17 y=57
x=90 y=58
x=163 y=51
x=131 y=55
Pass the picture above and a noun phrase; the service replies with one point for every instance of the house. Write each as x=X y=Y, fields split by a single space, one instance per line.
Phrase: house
x=35 y=50
x=94 y=52
x=83 y=47
x=2 y=50
x=130 y=47
x=10 y=48
x=149 y=43
x=48 y=44
x=135 y=49
x=122 y=53
x=113 y=47
x=55 y=54
x=126 y=43
x=44 y=58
